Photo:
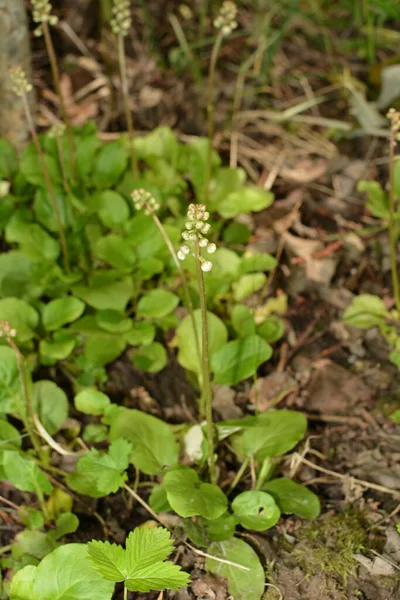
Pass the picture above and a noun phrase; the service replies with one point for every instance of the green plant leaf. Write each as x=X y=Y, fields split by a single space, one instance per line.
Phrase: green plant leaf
x=31 y=167
x=61 y=311
x=225 y=182
x=34 y=544
x=203 y=531
x=188 y=496
x=258 y=262
x=94 y=433
x=101 y=350
x=246 y=584
x=148 y=267
x=246 y=200
x=142 y=333
x=10 y=438
x=116 y=251
x=187 y=355
x=366 y=311
x=153 y=442
x=248 y=285
x=102 y=295
x=270 y=434
x=151 y=359
x=91 y=402
x=272 y=329
x=66 y=523
x=239 y=359
x=157 y=304
x=24 y=473
x=44 y=210
x=10 y=382
x=64 y=574
x=243 y=320
x=111 y=208
x=53 y=351
x=294 y=498
x=113 y=321
x=111 y=162
x=236 y=233
x=33 y=241
x=256 y=510
x=50 y=403
x=378 y=201
x=8 y=160
x=21 y=316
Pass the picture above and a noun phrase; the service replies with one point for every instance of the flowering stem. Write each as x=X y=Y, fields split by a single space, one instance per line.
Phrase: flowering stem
x=392 y=222
x=210 y=111
x=207 y=395
x=56 y=78
x=178 y=264
x=49 y=185
x=125 y=95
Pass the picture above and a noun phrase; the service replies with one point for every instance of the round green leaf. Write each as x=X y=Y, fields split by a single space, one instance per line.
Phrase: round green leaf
x=272 y=329
x=142 y=333
x=256 y=510
x=187 y=355
x=248 y=285
x=51 y=405
x=248 y=584
x=116 y=251
x=294 y=498
x=91 y=402
x=94 y=433
x=21 y=316
x=188 y=496
x=246 y=200
x=113 y=321
x=151 y=358
x=10 y=382
x=157 y=304
x=111 y=162
x=103 y=294
x=33 y=241
x=10 y=438
x=239 y=359
x=258 y=262
x=366 y=311
x=100 y=350
x=61 y=311
x=243 y=320
x=53 y=351
x=112 y=209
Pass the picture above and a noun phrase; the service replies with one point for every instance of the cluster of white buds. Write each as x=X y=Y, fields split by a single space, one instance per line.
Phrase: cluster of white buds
x=20 y=83
x=196 y=231
x=144 y=199
x=41 y=13
x=57 y=130
x=226 y=20
x=121 y=20
x=394 y=116
x=6 y=330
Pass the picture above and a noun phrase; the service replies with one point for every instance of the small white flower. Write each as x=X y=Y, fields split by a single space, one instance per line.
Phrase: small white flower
x=180 y=255
x=203 y=243
x=211 y=248
x=206 y=266
x=4 y=188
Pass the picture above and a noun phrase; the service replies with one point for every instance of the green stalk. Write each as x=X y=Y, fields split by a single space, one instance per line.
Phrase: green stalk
x=125 y=95
x=178 y=264
x=392 y=220
x=125 y=593
x=239 y=475
x=47 y=179
x=211 y=111
x=207 y=394
x=57 y=83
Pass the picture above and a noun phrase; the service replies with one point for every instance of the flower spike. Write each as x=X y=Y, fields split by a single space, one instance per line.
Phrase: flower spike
x=41 y=13
x=196 y=230
x=20 y=83
x=121 y=20
x=226 y=19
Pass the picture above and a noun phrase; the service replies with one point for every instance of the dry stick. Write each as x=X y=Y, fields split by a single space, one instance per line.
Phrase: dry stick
x=207 y=394
x=159 y=520
x=178 y=264
x=392 y=224
x=125 y=95
x=49 y=185
x=210 y=111
x=56 y=79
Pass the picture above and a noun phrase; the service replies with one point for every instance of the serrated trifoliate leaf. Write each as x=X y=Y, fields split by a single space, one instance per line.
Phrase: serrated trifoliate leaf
x=247 y=285
x=188 y=496
x=258 y=262
x=151 y=359
x=247 y=199
x=187 y=355
x=61 y=311
x=154 y=445
x=270 y=434
x=246 y=583
x=366 y=311
x=91 y=402
x=293 y=498
x=50 y=403
x=157 y=304
x=256 y=510
x=64 y=574
x=243 y=320
x=21 y=316
x=10 y=381
x=239 y=359
x=141 y=565
x=102 y=474
x=115 y=251
x=25 y=474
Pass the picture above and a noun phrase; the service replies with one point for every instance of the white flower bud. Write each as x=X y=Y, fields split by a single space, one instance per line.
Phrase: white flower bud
x=185 y=249
x=206 y=266
x=211 y=248
x=181 y=255
x=203 y=243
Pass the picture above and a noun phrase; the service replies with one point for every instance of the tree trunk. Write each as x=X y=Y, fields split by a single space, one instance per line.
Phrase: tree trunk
x=14 y=51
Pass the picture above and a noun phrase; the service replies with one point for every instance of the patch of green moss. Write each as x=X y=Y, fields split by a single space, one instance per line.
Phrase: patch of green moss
x=327 y=546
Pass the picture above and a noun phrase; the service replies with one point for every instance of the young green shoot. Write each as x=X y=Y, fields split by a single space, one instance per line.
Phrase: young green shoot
x=21 y=88
x=120 y=24
x=28 y=417
x=195 y=239
x=225 y=23
x=41 y=13
x=394 y=117
x=143 y=199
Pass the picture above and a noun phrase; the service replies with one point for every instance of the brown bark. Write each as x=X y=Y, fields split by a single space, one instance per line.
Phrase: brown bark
x=14 y=50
